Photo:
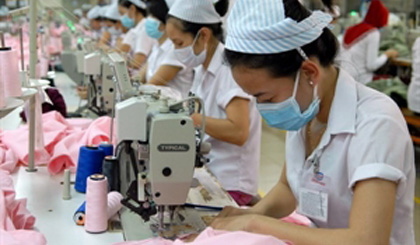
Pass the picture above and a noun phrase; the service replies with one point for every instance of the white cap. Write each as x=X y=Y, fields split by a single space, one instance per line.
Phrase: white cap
x=112 y=12
x=195 y=11
x=138 y=3
x=78 y=12
x=4 y=11
x=261 y=27
x=86 y=7
x=169 y=3
x=95 y=12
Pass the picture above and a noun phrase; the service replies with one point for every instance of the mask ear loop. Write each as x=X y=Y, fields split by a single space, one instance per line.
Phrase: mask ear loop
x=305 y=57
x=195 y=40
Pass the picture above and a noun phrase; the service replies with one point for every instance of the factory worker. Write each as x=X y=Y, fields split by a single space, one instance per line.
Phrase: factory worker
x=349 y=157
x=5 y=24
x=133 y=14
x=233 y=126
x=95 y=21
x=163 y=68
x=113 y=26
x=84 y=21
x=361 y=44
x=414 y=87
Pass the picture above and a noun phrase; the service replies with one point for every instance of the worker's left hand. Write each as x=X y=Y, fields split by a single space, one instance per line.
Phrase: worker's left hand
x=197 y=119
x=236 y=223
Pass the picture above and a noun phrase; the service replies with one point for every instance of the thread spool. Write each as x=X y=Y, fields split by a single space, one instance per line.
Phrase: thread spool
x=79 y=215
x=108 y=148
x=96 y=204
x=90 y=162
x=114 y=205
x=9 y=72
x=110 y=170
x=66 y=185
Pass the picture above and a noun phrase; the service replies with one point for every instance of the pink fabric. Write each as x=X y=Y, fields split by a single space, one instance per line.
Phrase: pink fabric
x=211 y=237
x=15 y=219
x=242 y=199
x=62 y=137
x=21 y=237
x=297 y=219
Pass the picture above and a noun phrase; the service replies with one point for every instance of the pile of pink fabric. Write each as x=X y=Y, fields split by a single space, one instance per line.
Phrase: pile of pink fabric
x=62 y=137
x=15 y=219
x=210 y=237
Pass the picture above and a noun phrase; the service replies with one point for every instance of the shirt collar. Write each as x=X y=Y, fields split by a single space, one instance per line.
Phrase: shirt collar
x=342 y=118
x=217 y=60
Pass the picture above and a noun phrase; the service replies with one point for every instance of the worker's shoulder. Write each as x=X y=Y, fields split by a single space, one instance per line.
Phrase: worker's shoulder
x=374 y=105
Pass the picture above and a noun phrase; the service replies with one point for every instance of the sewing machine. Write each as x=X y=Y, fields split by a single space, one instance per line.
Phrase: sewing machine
x=158 y=148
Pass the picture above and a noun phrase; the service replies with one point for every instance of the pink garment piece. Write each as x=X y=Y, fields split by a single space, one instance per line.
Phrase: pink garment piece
x=297 y=219
x=63 y=138
x=211 y=237
x=13 y=213
x=66 y=152
x=15 y=219
x=22 y=237
x=242 y=199
x=8 y=160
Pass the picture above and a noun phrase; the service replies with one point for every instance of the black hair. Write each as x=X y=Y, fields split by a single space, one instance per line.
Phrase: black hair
x=107 y=19
x=287 y=63
x=328 y=4
x=221 y=7
x=159 y=9
x=127 y=4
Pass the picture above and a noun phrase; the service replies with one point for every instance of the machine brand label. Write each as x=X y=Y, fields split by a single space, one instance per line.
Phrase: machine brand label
x=174 y=147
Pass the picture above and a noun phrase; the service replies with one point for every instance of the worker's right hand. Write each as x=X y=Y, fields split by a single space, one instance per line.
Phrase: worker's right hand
x=230 y=211
x=391 y=53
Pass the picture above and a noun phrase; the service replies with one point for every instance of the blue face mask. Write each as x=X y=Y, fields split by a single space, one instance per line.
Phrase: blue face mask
x=127 y=22
x=287 y=115
x=152 y=28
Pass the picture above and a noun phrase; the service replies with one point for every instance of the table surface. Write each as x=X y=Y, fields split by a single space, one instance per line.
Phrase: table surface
x=54 y=216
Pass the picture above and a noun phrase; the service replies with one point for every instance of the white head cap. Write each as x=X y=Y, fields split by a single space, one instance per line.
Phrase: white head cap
x=195 y=11
x=169 y=3
x=78 y=12
x=112 y=12
x=95 y=12
x=261 y=27
x=4 y=11
x=86 y=7
x=138 y=3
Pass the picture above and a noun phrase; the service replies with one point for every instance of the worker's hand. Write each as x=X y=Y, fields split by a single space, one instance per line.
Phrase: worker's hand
x=230 y=211
x=197 y=119
x=391 y=53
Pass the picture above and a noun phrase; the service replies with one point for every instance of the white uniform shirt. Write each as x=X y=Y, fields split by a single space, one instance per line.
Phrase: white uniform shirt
x=131 y=36
x=144 y=43
x=366 y=137
x=236 y=167
x=414 y=88
x=164 y=55
x=361 y=60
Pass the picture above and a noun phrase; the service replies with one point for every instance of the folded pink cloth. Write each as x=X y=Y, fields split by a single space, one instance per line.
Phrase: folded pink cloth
x=210 y=237
x=297 y=219
x=15 y=219
x=21 y=237
x=62 y=140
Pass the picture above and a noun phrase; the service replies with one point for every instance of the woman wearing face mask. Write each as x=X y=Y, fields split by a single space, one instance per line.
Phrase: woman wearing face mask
x=133 y=17
x=113 y=27
x=162 y=68
x=95 y=22
x=233 y=126
x=361 y=44
x=349 y=158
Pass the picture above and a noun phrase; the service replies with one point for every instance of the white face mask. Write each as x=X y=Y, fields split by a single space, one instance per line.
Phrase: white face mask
x=114 y=31
x=187 y=56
